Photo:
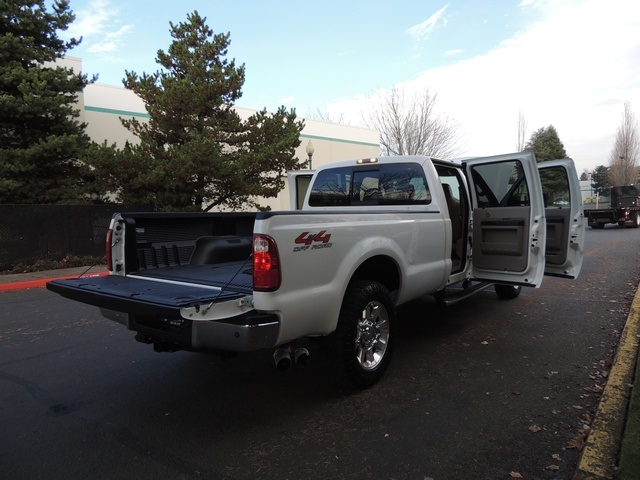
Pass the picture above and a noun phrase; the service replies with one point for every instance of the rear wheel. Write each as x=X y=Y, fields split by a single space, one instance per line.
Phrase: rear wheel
x=507 y=292
x=362 y=345
x=635 y=220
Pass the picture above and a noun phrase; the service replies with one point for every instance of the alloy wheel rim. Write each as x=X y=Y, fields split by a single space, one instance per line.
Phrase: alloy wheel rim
x=372 y=335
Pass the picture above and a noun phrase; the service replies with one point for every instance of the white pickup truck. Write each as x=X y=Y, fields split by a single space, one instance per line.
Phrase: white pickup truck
x=371 y=234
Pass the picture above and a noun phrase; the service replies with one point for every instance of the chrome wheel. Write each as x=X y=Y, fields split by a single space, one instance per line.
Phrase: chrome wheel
x=372 y=335
x=361 y=347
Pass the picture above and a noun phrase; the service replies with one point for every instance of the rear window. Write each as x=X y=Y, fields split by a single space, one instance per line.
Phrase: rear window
x=392 y=184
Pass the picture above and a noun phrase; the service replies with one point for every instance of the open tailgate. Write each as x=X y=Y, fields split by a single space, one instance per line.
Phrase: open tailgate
x=148 y=295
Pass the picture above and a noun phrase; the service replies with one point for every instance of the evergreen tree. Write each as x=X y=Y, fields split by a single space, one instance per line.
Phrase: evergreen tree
x=546 y=144
x=195 y=148
x=601 y=180
x=41 y=140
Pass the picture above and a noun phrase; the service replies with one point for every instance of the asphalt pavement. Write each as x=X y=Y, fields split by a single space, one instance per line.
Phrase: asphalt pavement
x=602 y=447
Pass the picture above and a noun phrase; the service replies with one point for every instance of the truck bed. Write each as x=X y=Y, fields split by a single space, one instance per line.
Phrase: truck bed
x=161 y=291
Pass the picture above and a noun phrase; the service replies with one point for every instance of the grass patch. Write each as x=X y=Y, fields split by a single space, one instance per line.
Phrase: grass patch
x=630 y=452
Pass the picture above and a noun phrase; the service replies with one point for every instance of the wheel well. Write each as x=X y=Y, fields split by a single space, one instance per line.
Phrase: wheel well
x=380 y=269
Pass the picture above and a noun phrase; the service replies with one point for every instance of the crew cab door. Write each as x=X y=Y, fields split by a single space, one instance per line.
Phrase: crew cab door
x=299 y=181
x=507 y=226
x=565 y=218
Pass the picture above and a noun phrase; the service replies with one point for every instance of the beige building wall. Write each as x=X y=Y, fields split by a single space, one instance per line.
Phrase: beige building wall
x=102 y=107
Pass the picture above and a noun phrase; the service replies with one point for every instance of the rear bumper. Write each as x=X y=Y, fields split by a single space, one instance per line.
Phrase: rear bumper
x=246 y=332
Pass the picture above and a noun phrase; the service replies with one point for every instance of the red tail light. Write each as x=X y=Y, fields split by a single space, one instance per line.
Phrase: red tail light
x=266 y=264
x=108 y=246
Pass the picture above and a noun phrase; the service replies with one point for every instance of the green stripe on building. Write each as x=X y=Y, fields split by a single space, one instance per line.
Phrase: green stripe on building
x=111 y=111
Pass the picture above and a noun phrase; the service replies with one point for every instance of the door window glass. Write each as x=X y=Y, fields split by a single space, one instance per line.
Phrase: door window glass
x=555 y=187
x=500 y=184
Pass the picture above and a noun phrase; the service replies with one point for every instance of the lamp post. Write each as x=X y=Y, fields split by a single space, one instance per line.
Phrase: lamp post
x=310 y=149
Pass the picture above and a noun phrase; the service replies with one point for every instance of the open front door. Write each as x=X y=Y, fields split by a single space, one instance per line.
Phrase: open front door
x=507 y=224
x=565 y=218
x=299 y=181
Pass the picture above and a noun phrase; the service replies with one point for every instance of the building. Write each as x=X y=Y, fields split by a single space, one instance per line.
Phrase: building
x=102 y=106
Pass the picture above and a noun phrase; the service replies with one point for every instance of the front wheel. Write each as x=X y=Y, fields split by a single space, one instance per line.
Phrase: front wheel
x=507 y=292
x=362 y=345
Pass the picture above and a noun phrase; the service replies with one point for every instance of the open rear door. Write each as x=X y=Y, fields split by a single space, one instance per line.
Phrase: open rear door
x=299 y=181
x=565 y=218
x=507 y=224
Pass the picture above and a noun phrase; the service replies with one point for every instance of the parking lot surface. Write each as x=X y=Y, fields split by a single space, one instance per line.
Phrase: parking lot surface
x=482 y=389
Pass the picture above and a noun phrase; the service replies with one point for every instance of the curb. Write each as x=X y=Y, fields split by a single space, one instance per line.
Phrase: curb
x=600 y=455
x=41 y=282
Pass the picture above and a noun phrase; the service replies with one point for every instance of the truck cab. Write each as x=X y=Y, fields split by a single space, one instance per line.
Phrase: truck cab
x=493 y=205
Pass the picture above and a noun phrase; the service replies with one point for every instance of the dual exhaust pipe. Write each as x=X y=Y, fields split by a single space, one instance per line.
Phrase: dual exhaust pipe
x=285 y=359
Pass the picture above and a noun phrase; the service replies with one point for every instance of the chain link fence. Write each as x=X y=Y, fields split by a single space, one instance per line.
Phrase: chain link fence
x=31 y=233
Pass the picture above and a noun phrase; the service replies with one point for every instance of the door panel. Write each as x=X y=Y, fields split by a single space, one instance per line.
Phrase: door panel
x=557 y=227
x=500 y=243
x=508 y=231
x=565 y=218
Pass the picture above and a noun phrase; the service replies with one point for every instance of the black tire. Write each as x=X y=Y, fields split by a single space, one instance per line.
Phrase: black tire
x=635 y=220
x=507 y=292
x=362 y=345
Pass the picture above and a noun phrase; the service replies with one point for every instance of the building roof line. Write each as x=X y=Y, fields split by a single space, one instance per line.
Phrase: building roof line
x=111 y=111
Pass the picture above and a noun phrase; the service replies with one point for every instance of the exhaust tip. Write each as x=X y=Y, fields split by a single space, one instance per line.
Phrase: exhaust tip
x=282 y=358
x=302 y=357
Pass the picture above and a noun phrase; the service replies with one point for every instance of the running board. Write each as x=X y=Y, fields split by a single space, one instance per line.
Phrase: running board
x=454 y=295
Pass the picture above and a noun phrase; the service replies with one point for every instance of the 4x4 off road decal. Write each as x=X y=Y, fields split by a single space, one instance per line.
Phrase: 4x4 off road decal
x=312 y=241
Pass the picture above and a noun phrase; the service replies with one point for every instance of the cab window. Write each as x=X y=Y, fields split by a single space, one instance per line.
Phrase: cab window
x=391 y=184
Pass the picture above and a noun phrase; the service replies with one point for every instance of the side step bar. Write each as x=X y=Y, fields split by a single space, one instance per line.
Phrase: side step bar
x=454 y=295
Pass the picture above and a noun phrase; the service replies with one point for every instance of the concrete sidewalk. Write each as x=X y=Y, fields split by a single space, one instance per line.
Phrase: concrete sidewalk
x=603 y=449
x=601 y=453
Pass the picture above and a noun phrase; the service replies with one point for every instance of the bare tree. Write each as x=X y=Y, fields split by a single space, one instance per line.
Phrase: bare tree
x=326 y=116
x=522 y=132
x=412 y=126
x=623 y=160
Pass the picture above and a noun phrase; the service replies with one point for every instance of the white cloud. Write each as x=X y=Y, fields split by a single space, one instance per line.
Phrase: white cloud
x=572 y=69
x=93 y=20
x=451 y=53
x=287 y=100
x=111 y=41
x=100 y=27
x=421 y=31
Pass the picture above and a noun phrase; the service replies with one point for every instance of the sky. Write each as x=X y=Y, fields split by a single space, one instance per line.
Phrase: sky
x=567 y=63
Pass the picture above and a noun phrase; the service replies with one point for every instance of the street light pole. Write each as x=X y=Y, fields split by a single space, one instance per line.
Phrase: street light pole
x=310 y=149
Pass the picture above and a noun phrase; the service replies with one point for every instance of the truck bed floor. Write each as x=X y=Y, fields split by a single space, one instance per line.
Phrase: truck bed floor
x=235 y=276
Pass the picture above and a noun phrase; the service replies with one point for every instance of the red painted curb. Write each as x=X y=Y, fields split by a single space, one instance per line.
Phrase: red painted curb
x=41 y=282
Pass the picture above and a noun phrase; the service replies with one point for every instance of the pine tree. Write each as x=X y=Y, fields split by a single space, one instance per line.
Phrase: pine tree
x=195 y=149
x=601 y=180
x=546 y=144
x=41 y=139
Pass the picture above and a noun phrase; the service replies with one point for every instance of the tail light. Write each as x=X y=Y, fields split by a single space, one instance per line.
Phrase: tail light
x=266 y=264
x=108 y=247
